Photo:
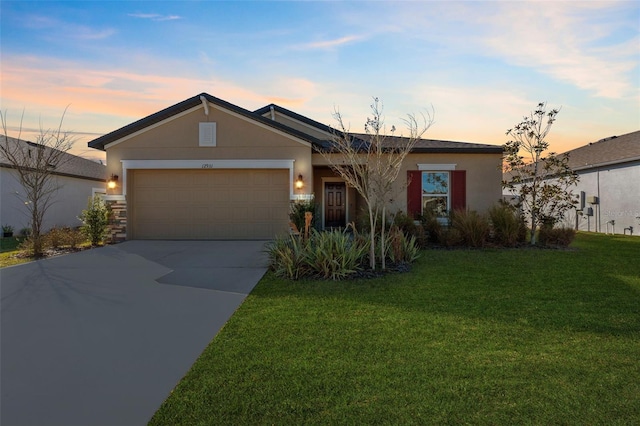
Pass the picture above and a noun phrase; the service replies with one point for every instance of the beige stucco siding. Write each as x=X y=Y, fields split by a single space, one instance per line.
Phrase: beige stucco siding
x=484 y=176
x=483 y=184
x=236 y=137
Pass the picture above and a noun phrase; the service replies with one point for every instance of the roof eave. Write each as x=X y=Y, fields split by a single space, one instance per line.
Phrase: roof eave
x=464 y=150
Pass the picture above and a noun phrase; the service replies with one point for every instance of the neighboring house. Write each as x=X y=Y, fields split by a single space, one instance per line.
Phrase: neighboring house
x=207 y=169
x=609 y=170
x=77 y=178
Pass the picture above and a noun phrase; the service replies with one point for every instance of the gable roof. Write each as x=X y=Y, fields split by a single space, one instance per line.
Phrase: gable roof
x=423 y=146
x=306 y=120
x=70 y=165
x=607 y=151
x=99 y=143
x=362 y=139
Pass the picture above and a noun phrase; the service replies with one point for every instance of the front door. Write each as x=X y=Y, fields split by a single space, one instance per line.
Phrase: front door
x=334 y=204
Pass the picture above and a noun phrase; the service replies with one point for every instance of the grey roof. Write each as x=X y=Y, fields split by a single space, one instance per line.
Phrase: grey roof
x=607 y=151
x=438 y=146
x=70 y=165
x=362 y=139
x=425 y=145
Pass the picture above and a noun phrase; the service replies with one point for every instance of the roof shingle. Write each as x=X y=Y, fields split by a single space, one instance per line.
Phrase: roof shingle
x=612 y=150
x=70 y=165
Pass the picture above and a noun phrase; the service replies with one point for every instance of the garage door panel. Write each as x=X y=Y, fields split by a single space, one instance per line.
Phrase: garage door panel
x=151 y=196
x=209 y=204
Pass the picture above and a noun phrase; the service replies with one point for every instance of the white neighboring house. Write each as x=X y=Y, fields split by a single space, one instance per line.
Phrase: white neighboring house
x=609 y=170
x=78 y=179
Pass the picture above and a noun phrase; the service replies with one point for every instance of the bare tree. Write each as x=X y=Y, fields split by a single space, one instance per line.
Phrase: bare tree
x=372 y=166
x=35 y=164
x=541 y=183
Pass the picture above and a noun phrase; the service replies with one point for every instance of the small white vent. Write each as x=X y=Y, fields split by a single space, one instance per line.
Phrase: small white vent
x=207 y=134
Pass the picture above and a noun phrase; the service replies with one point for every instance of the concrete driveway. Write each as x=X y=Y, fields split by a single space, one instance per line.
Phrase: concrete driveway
x=102 y=336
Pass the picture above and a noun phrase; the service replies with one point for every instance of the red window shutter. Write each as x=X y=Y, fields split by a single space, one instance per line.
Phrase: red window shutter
x=458 y=189
x=414 y=193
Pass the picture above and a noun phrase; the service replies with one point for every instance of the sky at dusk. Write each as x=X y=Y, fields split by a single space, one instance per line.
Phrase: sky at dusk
x=481 y=66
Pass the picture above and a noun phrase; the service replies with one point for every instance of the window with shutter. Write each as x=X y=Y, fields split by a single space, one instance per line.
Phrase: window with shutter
x=438 y=191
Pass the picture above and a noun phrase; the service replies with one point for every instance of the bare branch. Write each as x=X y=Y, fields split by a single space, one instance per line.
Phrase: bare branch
x=35 y=164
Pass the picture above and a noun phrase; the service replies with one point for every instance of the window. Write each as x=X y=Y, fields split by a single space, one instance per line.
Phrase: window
x=436 y=187
x=435 y=193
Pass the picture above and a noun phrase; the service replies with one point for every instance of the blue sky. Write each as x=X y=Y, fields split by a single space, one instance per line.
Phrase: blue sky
x=480 y=65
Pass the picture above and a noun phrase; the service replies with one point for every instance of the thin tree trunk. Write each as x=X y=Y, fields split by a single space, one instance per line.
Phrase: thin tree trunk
x=372 y=249
x=382 y=239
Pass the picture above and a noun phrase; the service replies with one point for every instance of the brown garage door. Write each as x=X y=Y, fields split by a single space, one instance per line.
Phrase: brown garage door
x=208 y=204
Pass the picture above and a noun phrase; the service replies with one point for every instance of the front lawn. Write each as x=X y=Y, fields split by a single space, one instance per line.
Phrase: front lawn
x=510 y=336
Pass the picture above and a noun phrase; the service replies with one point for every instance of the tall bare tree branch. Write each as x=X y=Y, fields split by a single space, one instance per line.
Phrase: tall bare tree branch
x=35 y=164
x=371 y=165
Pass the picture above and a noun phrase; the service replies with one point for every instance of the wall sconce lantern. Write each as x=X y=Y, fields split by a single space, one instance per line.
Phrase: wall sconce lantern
x=112 y=182
x=299 y=182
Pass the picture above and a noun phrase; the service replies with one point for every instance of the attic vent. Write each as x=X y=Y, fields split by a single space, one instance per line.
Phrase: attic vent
x=207 y=134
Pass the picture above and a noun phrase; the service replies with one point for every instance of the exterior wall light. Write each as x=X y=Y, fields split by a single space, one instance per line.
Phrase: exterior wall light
x=112 y=182
x=299 y=182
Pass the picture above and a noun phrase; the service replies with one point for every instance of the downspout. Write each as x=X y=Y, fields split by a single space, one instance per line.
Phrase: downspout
x=599 y=202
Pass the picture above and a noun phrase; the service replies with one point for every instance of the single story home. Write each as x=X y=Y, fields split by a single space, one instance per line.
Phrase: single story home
x=207 y=169
x=609 y=187
x=77 y=180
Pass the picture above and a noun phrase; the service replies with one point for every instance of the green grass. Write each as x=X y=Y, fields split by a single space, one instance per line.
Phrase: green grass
x=525 y=336
x=8 y=250
x=9 y=243
x=8 y=258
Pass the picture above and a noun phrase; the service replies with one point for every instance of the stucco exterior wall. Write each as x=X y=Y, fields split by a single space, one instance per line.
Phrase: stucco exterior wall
x=484 y=177
x=69 y=201
x=618 y=191
x=236 y=138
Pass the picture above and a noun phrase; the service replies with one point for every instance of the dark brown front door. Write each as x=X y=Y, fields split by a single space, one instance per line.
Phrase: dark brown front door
x=334 y=204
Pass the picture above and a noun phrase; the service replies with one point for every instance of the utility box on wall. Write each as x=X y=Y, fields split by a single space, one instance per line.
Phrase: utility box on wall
x=592 y=199
x=587 y=211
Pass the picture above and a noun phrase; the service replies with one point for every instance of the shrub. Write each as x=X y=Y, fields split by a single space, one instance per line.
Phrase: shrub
x=335 y=255
x=95 y=220
x=472 y=226
x=432 y=227
x=507 y=225
x=287 y=257
x=329 y=255
x=402 y=248
x=559 y=237
x=450 y=237
x=25 y=232
x=410 y=228
x=26 y=247
x=55 y=238
x=298 y=210
x=75 y=237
